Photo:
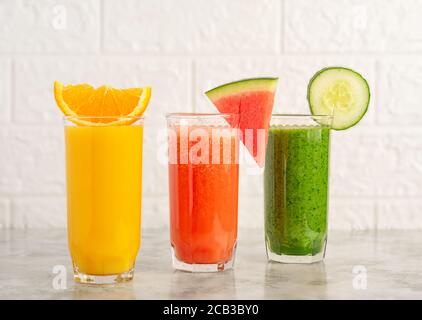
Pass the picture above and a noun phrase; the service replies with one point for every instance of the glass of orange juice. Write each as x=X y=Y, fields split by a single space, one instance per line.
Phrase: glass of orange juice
x=104 y=186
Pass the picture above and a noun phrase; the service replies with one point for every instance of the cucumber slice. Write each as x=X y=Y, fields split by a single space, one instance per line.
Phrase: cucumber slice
x=340 y=92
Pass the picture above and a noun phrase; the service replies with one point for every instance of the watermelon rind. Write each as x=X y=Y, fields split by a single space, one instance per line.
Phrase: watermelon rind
x=245 y=85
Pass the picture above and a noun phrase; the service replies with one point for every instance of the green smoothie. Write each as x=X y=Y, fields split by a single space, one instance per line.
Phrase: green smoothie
x=296 y=189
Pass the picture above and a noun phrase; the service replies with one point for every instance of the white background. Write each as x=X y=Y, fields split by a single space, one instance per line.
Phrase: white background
x=184 y=47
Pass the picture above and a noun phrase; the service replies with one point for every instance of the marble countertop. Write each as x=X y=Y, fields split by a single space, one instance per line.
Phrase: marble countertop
x=358 y=265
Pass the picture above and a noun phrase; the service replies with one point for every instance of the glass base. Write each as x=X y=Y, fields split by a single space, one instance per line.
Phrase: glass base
x=202 y=267
x=105 y=279
x=286 y=258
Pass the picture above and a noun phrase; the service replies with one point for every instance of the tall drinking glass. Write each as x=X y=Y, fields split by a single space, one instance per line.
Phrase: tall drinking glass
x=296 y=188
x=203 y=182
x=104 y=185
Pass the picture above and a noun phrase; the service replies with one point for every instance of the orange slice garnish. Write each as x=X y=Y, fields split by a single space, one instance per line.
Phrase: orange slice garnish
x=105 y=105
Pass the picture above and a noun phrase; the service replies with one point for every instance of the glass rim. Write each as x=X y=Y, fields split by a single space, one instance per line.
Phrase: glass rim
x=102 y=117
x=193 y=115
x=300 y=116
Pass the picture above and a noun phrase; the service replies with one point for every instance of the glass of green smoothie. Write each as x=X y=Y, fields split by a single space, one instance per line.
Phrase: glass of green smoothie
x=296 y=188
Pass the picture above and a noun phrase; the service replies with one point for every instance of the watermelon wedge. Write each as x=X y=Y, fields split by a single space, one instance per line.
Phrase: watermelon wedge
x=253 y=100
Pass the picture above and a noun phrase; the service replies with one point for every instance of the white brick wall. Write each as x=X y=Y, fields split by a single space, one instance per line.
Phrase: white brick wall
x=191 y=27
x=358 y=26
x=181 y=48
x=31 y=26
x=5 y=90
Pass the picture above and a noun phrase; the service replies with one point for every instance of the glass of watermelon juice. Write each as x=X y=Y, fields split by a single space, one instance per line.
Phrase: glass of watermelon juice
x=296 y=188
x=203 y=187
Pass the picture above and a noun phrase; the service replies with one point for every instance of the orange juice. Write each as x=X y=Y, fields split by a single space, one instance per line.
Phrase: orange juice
x=104 y=181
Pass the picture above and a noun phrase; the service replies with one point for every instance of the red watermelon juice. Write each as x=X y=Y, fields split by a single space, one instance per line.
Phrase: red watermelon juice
x=203 y=185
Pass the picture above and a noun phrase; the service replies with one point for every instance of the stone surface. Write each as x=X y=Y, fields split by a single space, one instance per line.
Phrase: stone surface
x=389 y=261
x=49 y=26
x=191 y=26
